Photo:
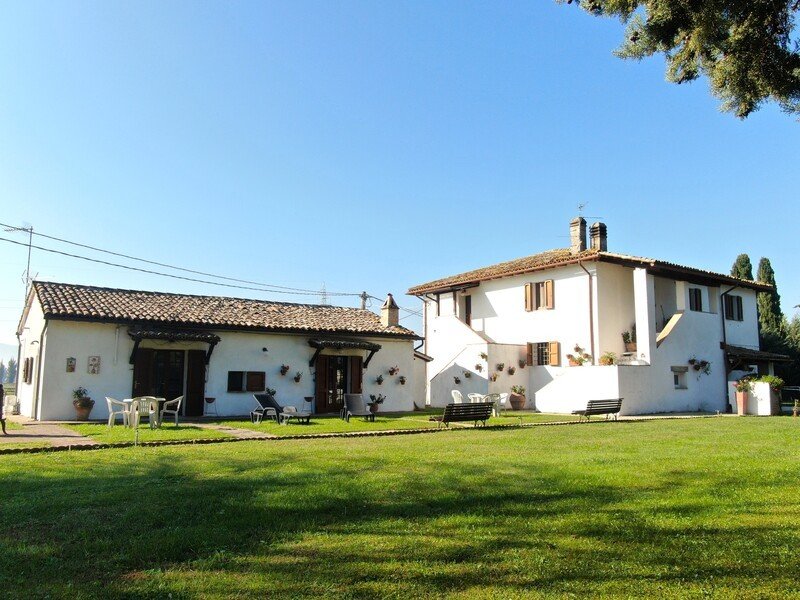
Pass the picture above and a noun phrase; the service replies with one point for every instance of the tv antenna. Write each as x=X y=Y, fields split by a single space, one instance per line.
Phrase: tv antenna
x=26 y=277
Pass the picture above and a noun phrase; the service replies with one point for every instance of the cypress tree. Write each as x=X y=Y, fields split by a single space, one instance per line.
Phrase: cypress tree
x=742 y=267
x=770 y=317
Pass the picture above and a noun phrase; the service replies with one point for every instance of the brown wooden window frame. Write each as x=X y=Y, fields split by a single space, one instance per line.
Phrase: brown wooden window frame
x=695 y=299
x=247 y=381
x=543 y=354
x=734 y=310
x=540 y=295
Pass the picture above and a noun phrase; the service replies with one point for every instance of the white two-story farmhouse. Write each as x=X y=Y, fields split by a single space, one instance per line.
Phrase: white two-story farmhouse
x=519 y=322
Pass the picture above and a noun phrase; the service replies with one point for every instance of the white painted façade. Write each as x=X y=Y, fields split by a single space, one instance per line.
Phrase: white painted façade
x=124 y=343
x=695 y=330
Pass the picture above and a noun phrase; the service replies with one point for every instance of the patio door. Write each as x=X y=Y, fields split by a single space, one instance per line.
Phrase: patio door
x=336 y=376
x=168 y=374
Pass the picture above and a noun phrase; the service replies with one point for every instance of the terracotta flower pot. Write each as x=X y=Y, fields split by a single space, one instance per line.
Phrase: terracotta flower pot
x=373 y=407
x=630 y=346
x=83 y=406
x=517 y=401
x=574 y=363
x=741 y=403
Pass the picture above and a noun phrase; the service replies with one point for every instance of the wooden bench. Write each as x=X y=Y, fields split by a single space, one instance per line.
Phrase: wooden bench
x=600 y=407
x=475 y=412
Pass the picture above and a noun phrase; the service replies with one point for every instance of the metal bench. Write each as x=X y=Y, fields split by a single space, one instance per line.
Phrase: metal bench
x=600 y=407
x=478 y=412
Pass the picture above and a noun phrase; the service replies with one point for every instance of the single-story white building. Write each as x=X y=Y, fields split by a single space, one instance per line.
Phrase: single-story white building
x=124 y=343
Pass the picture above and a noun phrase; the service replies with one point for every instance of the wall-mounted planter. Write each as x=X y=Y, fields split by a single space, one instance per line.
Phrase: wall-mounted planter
x=394 y=371
x=479 y=367
x=379 y=380
x=401 y=380
x=467 y=374
x=500 y=367
x=511 y=370
x=284 y=370
x=457 y=380
x=297 y=377
x=521 y=363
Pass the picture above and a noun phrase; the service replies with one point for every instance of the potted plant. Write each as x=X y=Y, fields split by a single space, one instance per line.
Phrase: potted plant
x=82 y=403
x=500 y=367
x=511 y=370
x=394 y=370
x=284 y=369
x=521 y=363
x=375 y=402
x=379 y=380
x=579 y=358
x=701 y=366
x=456 y=379
x=297 y=377
x=467 y=374
x=493 y=377
x=608 y=358
x=484 y=356
x=629 y=339
x=743 y=387
x=479 y=367
x=517 y=397
x=401 y=380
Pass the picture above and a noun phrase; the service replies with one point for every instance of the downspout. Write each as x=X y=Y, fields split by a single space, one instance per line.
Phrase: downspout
x=37 y=391
x=725 y=343
x=591 y=312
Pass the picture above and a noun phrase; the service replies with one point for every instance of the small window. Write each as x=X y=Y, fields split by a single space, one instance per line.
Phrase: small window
x=733 y=308
x=679 y=377
x=543 y=354
x=468 y=310
x=235 y=381
x=27 y=370
x=696 y=299
x=539 y=295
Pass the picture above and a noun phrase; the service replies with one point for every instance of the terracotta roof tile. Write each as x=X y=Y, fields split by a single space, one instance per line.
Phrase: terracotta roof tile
x=80 y=302
x=563 y=256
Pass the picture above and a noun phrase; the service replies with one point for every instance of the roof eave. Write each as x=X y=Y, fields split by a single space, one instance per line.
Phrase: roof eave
x=420 y=290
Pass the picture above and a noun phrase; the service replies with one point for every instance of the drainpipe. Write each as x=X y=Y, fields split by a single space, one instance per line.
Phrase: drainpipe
x=591 y=312
x=725 y=341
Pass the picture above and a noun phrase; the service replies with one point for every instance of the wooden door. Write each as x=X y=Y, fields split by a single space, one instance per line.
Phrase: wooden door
x=195 y=384
x=356 y=374
x=143 y=372
x=321 y=391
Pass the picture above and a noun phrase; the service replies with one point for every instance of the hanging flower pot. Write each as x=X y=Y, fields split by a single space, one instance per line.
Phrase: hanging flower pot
x=284 y=369
x=297 y=377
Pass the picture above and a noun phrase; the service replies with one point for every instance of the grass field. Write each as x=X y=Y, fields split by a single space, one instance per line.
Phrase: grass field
x=167 y=432
x=683 y=508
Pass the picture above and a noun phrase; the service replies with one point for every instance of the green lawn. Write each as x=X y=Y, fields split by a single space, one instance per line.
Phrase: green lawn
x=667 y=509
x=419 y=420
x=4 y=445
x=105 y=435
x=12 y=425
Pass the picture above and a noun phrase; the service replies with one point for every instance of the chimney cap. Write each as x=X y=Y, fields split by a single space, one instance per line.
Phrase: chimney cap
x=389 y=302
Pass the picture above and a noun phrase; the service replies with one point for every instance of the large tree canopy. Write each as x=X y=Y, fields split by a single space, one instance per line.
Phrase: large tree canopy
x=742 y=267
x=747 y=48
x=770 y=315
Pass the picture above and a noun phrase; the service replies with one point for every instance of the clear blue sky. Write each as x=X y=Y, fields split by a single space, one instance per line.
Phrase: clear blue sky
x=366 y=145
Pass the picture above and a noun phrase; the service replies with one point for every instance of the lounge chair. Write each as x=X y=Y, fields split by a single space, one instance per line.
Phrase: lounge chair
x=267 y=407
x=458 y=398
x=354 y=407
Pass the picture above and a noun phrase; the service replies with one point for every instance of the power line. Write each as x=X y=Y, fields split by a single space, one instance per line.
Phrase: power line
x=273 y=287
x=170 y=275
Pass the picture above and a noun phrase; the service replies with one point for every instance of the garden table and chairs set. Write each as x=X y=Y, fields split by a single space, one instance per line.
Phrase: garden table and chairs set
x=133 y=409
x=499 y=401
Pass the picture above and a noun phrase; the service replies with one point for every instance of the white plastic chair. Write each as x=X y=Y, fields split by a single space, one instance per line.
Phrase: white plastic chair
x=475 y=398
x=457 y=397
x=144 y=405
x=502 y=403
x=172 y=407
x=112 y=414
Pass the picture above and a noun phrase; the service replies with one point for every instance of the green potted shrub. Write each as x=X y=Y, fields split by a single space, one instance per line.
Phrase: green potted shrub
x=743 y=387
x=375 y=402
x=82 y=403
x=629 y=339
x=517 y=397
x=608 y=359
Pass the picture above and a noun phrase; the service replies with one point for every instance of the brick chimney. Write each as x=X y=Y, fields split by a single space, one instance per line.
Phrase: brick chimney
x=390 y=312
x=577 y=235
x=598 y=237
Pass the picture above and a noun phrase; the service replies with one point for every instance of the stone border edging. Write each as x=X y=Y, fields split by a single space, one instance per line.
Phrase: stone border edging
x=316 y=436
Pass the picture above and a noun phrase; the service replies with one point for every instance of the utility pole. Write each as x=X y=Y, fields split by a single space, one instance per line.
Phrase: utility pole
x=27 y=275
x=364 y=297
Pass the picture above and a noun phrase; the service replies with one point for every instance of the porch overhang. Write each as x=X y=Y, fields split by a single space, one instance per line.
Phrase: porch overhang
x=739 y=356
x=321 y=344
x=172 y=335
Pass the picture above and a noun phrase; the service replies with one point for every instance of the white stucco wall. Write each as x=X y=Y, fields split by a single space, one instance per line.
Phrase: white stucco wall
x=761 y=400
x=616 y=312
x=744 y=333
x=237 y=351
x=31 y=342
